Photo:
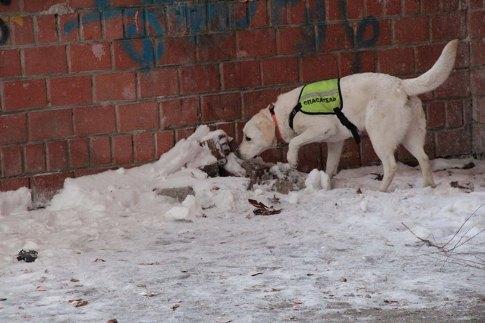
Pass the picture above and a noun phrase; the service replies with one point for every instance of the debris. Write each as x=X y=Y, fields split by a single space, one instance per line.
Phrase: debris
x=175 y=306
x=178 y=193
x=378 y=177
x=74 y=280
x=40 y=288
x=387 y=301
x=256 y=274
x=359 y=191
x=78 y=302
x=343 y=280
x=149 y=294
x=99 y=260
x=469 y=165
x=262 y=209
x=27 y=255
x=112 y=321
x=2 y=299
x=466 y=187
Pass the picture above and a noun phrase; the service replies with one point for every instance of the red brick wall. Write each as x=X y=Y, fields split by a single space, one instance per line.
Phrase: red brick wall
x=88 y=85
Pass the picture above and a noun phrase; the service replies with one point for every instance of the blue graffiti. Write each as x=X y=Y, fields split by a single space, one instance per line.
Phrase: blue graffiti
x=197 y=18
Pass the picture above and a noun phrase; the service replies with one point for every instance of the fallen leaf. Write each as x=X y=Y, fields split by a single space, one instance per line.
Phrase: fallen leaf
x=175 y=306
x=359 y=191
x=262 y=209
x=78 y=302
x=41 y=288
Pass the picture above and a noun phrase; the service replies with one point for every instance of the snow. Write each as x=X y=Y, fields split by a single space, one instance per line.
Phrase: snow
x=317 y=180
x=134 y=255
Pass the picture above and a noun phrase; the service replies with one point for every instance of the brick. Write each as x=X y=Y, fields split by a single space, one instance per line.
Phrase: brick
x=177 y=50
x=430 y=6
x=320 y=67
x=453 y=143
x=477 y=53
x=45 y=60
x=273 y=155
x=278 y=12
x=90 y=57
x=280 y=70
x=144 y=147
x=218 y=16
x=477 y=81
x=455 y=86
x=476 y=4
x=316 y=11
x=112 y=21
x=411 y=7
x=22 y=30
x=375 y=8
x=70 y=90
x=79 y=152
x=256 y=42
x=297 y=13
x=123 y=149
x=69 y=27
x=257 y=100
x=10 y=63
x=435 y=114
x=119 y=86
x=411 y=30
x=45 y=186
x=165 y=141
x=82 y=4
x=477 y=30
x=14 y=6
x=385 y=33
x=309 y=157
x=336 y=38
x=177 y=19
x=183 y=133
x=100 y=151
x=134 y=23
x=350 y=155
x=450 y=5
x=454 y=113
x=91 y=25
x=159 y=82
x=221 y=107
x=139 y=116
x=368 y=154
x=393 y=7
x=216 y=47
x=36 y=6
x=46 y=29
x=94 y=120
x=396 y=61
x=158 y=15
x=13 y=128
x=50 y=124
x=133 y=53
x=180 y=112
x=12 y=161
x=357 y=62
x=199 y=79
x=355 y=9
x=239 y=75
x=293 y=40
x=25 y=94
x=333 y=12
x=448 y=27
x=12 y=184
x=57 y=155
x=197 y=18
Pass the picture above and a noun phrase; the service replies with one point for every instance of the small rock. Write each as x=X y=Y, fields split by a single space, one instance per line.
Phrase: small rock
x=27 y=255
x=343 y=280
x=178 y=193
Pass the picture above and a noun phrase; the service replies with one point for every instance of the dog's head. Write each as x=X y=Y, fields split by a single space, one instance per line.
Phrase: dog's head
x=258 y=135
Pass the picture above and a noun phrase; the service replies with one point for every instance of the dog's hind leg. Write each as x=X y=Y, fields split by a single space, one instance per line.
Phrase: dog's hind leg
x=386 y=124
x=334 y=150
x=414 y=141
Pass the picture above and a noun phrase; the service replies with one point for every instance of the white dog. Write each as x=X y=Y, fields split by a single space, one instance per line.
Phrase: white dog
x=386 y=107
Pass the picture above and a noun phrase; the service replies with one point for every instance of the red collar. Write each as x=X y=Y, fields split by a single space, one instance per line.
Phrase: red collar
x=277 y=129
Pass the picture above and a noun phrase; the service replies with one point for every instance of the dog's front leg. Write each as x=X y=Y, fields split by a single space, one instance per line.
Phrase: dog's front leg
x=308 y=136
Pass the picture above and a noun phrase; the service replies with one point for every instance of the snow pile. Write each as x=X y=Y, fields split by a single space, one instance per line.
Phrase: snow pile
x=317 y=180
x=14 y=201
x=129 y=252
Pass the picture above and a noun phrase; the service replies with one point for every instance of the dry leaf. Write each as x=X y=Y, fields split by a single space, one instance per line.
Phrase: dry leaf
x=78 y=302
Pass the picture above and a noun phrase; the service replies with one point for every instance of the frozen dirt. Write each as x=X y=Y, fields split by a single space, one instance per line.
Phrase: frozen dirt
x=131 y=254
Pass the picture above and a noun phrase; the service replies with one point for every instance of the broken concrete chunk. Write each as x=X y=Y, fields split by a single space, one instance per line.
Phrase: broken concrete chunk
x=178 y=193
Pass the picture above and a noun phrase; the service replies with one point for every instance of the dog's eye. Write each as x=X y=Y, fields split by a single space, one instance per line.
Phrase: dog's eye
x=248 y=139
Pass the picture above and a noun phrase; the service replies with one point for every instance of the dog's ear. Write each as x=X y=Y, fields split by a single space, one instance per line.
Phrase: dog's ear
x=265 y=116
x=265 y=124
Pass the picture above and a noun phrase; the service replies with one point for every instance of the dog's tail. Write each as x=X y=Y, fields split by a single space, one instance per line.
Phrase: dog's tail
x=437 y=75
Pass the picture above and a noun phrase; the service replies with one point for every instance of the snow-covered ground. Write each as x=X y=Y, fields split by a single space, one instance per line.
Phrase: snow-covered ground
x=134 y=255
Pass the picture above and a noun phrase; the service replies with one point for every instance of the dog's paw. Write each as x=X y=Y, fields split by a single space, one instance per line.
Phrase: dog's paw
x=292 y=161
